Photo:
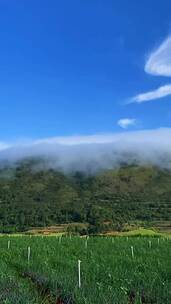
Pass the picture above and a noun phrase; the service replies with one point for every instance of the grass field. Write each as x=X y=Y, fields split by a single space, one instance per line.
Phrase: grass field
x=113 y=270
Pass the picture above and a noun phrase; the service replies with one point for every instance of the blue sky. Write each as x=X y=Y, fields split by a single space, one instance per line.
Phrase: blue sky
x=79 y=67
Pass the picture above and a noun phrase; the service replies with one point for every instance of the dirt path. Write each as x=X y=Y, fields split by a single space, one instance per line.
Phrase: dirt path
x=41 y=284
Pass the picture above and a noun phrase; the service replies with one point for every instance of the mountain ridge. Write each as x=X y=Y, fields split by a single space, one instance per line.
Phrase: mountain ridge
x=132 y=194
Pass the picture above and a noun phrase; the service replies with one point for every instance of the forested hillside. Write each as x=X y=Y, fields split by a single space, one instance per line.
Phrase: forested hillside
x=107 y=200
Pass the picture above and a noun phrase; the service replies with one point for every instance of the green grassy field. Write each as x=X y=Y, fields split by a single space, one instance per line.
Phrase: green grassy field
x=113 y=270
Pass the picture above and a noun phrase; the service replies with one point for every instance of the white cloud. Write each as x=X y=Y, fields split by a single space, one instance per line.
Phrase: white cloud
x=127 y=122
x=158 y=64
x=161 y=92
x=94 y=152
x=160 y=135
x=4 y=146
x=159 y=61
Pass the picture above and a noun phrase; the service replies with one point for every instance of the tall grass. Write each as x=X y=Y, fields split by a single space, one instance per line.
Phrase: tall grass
x=110 y=273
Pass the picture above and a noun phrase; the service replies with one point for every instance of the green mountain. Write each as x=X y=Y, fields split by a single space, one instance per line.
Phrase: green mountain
x=32 y=197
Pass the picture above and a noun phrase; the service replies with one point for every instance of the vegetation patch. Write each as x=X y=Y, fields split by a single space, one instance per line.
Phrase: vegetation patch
x=79 y=203
x=113 y=270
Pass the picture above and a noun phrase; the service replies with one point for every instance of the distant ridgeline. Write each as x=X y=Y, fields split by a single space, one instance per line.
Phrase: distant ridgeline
x=110 y=199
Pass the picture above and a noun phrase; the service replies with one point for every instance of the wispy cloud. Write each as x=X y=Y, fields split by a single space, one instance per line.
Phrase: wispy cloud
x=127 y=122
x=157 y=64
x=159 y=61
x=160 y=92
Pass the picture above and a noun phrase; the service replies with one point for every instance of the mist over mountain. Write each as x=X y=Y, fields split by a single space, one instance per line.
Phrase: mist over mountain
x=120 y=179
x=93 y=153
